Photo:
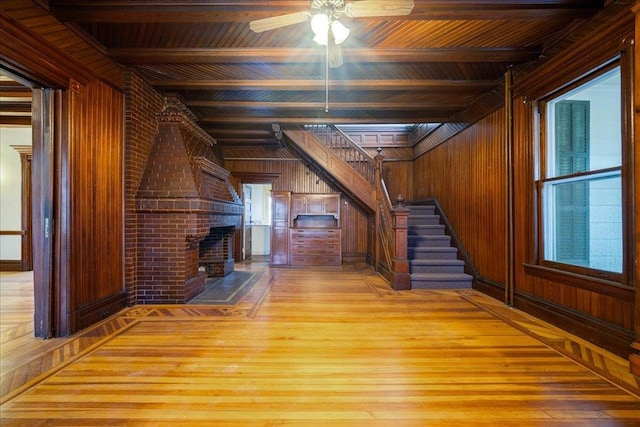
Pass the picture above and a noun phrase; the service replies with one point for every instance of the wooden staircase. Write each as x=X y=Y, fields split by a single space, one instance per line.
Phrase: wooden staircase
x=311 y=147
x=412 y=249
x=433 y=260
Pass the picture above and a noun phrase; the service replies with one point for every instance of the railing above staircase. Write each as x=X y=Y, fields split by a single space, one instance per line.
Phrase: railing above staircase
x=346 y=149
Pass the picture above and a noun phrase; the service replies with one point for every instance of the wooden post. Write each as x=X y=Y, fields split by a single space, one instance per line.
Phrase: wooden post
x=400 y=268
x=634 y=358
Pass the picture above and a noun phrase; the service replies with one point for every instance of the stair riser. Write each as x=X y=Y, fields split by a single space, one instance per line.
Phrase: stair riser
x=430 y=220
x=430 y=231
x=432 y=241
x=455 y=269
x=424 y=210
x=414 y=253
x=421 y=284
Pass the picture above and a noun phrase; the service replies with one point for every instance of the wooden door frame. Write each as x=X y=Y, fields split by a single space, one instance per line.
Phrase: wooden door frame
x=26 y=157
x=249 y=178
x=43 y=128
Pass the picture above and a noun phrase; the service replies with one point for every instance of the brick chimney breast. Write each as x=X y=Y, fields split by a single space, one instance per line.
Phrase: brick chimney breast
x=184 y=198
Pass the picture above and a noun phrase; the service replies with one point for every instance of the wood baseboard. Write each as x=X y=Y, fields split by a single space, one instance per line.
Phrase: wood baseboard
x=354 y=258
x=98 y=310
x=602 y=334
x=605 y=335
x=11 y=265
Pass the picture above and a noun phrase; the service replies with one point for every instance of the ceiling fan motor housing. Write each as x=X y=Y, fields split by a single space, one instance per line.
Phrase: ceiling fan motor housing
x=336 y=7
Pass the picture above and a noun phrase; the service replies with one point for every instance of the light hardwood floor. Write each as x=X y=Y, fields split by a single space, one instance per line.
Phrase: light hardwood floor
x=329 y=346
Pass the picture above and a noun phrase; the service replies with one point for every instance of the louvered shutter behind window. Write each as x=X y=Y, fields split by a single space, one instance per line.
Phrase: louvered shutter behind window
x=572 y=199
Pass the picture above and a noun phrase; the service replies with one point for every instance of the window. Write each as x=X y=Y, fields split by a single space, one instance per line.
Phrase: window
x=581 y=185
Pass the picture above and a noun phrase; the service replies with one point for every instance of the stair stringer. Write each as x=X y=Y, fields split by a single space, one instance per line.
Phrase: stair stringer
x=308 y=145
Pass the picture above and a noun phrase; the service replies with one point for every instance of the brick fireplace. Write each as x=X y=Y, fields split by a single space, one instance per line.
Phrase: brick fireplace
x=188 y=212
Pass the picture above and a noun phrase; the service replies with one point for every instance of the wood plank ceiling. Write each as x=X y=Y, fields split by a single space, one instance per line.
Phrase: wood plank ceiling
x=422 y=68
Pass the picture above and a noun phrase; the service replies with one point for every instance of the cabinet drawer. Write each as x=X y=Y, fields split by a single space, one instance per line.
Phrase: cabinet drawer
x=313 y=241
x=311 y=232
x=318 y=260
x=315 y=249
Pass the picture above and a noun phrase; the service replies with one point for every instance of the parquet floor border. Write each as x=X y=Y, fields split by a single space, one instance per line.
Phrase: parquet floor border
x=607 y=365
x=29 y=372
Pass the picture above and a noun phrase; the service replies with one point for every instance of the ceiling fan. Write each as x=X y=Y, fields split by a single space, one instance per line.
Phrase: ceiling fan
x=324 y=15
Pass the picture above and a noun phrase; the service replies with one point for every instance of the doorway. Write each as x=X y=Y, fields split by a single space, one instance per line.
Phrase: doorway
x=15 y=177
x=45 y=125
x=257 y=223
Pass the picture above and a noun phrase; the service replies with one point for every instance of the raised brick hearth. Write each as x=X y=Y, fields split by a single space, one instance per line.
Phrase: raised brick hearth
x=187 y=212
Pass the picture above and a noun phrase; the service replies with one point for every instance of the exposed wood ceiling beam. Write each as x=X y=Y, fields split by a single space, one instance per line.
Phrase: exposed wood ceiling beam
x=244 y=141
x=231 y=133
x=245 y=120
x=245 y=11
x=369 y=85
x=300 y=55
x=254 y=105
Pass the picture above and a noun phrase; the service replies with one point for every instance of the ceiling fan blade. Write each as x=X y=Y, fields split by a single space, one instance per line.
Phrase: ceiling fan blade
x=335 y=55
x=369 y=8
x=260 y=25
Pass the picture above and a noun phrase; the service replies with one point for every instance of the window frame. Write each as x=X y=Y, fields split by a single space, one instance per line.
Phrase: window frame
x=602 y=276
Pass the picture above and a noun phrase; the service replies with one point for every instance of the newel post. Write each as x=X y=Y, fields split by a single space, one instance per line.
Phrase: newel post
x=379 y=158
x=400 y=267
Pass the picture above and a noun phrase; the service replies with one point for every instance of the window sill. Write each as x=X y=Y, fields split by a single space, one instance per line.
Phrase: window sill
x=601 y=286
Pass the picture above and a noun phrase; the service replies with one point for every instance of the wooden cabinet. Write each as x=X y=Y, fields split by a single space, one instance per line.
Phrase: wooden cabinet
x=316 y=246
x=315 y=204
x=306 y=229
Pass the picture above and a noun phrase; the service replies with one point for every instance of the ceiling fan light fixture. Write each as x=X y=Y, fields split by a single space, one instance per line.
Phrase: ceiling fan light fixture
x=321 y=39
x=340 y=32
x=320 y=25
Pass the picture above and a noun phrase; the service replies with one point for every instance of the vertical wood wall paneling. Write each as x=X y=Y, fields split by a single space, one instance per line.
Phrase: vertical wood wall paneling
x=297 y=177
x=96 y=202
x=398 y=177
x=467 y=175
x=524 y=152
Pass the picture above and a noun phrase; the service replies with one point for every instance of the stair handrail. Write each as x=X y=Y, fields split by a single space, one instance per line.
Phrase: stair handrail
x=385 y=229
x=347 y=149
x=392 y=225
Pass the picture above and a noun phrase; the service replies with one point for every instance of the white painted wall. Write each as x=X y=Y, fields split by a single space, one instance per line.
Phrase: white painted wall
x=10 y=189
x=261 y=217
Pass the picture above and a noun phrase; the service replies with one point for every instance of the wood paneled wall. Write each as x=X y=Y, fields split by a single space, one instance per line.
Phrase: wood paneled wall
x=297 y=176
x=86 y=163
x=95 y=179
x=399 y=179
x=467 y=175
x=601 y=312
